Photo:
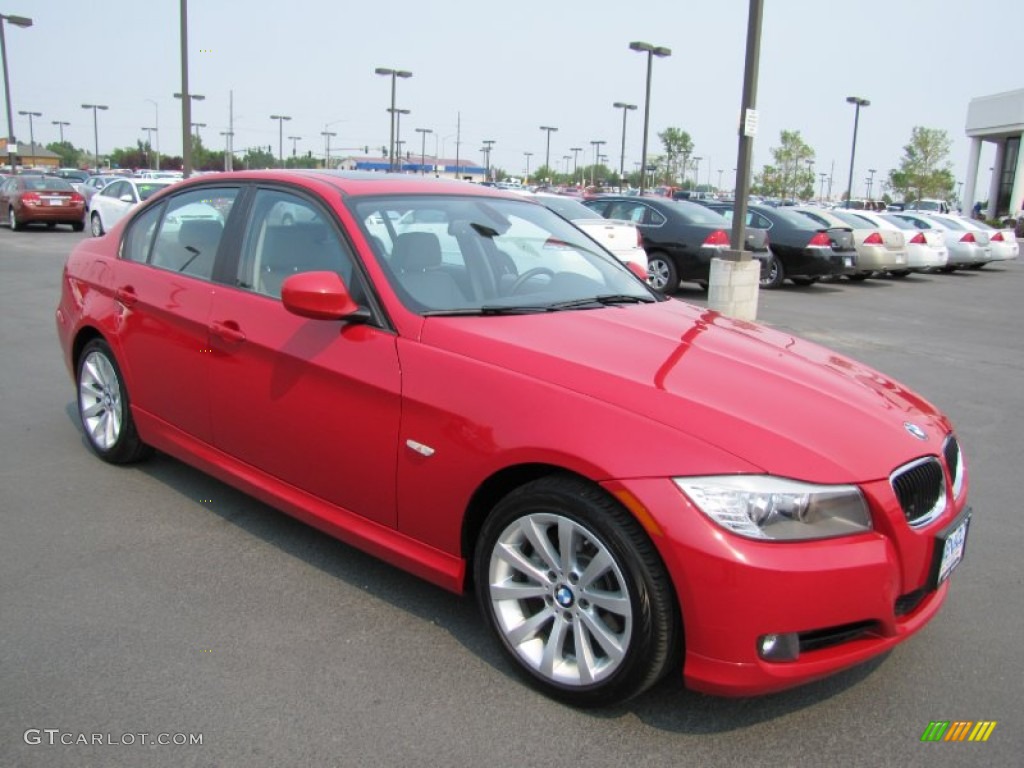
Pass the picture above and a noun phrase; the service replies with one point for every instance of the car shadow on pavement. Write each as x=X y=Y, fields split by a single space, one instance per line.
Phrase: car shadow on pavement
x=668 y=706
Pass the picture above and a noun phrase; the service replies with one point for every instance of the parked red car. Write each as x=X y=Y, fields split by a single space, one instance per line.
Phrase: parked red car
x=460 y=382
x=27 y=199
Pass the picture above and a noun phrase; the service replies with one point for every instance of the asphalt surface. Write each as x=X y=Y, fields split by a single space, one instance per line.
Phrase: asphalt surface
x=155 y=600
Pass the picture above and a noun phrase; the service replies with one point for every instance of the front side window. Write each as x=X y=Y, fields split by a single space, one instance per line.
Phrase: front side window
x=115 y=190
x=191 y=231
x=139 y=238
x=287 y=235
x=472 y=255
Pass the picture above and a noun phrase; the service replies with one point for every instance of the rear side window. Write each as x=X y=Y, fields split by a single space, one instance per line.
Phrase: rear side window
x=191 y=231
x=139 y=240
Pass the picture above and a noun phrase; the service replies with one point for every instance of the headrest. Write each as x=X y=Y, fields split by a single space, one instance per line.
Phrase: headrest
x=416 y=251
x=200 y=233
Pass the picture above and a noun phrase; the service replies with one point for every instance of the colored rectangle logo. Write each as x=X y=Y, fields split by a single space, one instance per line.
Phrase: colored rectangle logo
x=959 y=730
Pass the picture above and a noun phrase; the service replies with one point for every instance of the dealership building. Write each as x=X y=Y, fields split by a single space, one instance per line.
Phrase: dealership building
x=998 y=119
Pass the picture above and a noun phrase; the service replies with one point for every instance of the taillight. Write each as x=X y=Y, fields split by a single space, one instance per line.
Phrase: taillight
x=77 y=198
x=717 y=239
x=820 y=240
x=873 y=239
x=968 y=238
x=918 y=239
x=32 y=198
x=998 y=236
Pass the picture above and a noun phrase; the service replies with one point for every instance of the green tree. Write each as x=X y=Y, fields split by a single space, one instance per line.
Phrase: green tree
x=69 y=156
x=924 y=170
x=678 y=149
x=258 y=157
x=131 y=157
x=542 y=174
x=789 y=175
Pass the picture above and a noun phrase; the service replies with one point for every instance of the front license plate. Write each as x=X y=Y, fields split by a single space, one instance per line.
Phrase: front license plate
x=949 y=548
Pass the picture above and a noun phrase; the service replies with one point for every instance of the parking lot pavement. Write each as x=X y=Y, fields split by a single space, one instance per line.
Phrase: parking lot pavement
x=156 y=600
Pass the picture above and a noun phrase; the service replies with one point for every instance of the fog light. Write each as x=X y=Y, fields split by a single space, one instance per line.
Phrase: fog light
x=781 y=647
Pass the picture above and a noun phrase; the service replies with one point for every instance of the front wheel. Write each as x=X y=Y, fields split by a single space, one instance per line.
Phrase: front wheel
x=772 y=272
x=662 y=274
x=576 y=593
x=104 y=408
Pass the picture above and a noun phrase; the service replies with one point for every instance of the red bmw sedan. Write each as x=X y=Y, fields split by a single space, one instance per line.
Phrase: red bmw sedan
x=460 y=382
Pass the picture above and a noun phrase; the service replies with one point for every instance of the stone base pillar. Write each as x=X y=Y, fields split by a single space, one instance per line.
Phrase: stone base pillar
x=733 y=287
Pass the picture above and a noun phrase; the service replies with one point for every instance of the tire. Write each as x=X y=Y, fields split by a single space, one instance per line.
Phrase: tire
x=804 y=281
x=544 y=608
x=977 y=266
x=860 y=277
x=104 y=408
x=12 y=220
x=51 y=225
x=662 y=274
x=772 y=273
x=96 y=225
x=899 y=273
x=77 y=226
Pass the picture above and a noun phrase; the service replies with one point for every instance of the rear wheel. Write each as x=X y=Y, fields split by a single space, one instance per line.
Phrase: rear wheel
x=104 y=408
x=805 y=280
x=576 y=593
x=978 y=266
x=77 y=226
x=96 y=225
x=12 y=219
x=51 y=225
x=772 y=273
x=899 y=273
x=662 y=274
x=859 y=277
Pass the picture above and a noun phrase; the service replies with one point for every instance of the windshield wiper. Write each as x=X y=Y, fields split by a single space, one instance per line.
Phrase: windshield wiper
x=605 y=300
x=490 y=310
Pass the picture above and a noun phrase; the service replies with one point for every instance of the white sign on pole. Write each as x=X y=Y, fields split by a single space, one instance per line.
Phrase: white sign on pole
x=750 y=123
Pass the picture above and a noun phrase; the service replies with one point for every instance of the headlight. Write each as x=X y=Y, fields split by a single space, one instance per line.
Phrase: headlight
x=774 y=508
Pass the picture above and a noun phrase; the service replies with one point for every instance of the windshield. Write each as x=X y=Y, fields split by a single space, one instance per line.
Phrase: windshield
x=148 y=188
x=476 y=255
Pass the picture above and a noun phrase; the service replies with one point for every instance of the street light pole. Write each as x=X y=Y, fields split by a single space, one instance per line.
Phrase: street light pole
x=280 y=136
x=60 y=124
x=547 y=154
x=423 y=147
x=95 y=129
x=294 y=140
x=821 y=190
x=327 y=146
x=696 y=172
x=575 y=161
x=651 y=52
x=597 y=155
x=871 y=181
x=149 y=141
x=858 y=102
x=393 y=74
x=12 y=143
x=186 y=112
x=396 y=114
x=622 y=155
x=228 y=135
x=527 y=155
x=488 y=143
x=156 y=124
x=31 y=131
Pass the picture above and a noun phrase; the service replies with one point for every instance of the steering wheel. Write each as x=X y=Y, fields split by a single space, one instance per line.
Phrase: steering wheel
x=528 y=275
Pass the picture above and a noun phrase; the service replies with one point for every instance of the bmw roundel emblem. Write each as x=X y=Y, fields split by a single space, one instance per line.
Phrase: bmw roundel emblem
x=915 y=430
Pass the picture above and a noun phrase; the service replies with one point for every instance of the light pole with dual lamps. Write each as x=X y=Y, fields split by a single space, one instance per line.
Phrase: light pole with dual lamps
x=575 y=162
x=651 y=51
x=527 y=155
x=696 y=172
x=186 y=109
x=156 y=129
x=280 y=136
x=488 y=143
x=394 y=74
x=396 y=115
x=294 y=140
x=12 y=143
x=871 y=181
x=547 y=155
x=60 y=124
x=597 y=157
x=95 y=129
x=858 y=102
x=423 y=148
x=149 y=142
x=622 y=154
x=31 y=131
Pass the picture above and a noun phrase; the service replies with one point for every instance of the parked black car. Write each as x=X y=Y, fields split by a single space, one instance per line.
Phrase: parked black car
x=680 y=238
x=800 y=250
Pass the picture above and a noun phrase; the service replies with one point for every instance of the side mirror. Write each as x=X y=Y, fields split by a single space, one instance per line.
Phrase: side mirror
x=321 y=296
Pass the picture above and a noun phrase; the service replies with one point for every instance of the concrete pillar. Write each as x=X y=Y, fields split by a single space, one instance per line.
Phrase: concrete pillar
x=972 y=176
x=997 y=175
x=733 y=287
x=1017 y=195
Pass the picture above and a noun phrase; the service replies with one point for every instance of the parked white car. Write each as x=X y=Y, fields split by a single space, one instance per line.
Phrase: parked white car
x=1002 y=241
x=926 y=248
x=878 y=250
x=110 y=204
x=967 y=247
x=622 y=238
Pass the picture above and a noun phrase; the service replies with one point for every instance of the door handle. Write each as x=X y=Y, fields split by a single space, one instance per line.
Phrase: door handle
x=228 y=331
x=126 y=295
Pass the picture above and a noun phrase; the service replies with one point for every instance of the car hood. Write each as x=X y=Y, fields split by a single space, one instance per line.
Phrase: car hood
x=787 y=406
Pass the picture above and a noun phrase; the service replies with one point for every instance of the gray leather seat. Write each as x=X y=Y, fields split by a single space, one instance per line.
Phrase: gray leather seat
x=417 y=260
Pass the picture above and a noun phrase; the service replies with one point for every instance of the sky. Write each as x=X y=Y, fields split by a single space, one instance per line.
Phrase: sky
x=508 y=69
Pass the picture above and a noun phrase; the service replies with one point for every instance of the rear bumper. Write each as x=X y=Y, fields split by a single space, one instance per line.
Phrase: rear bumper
x=61 y=214
x=817 y=262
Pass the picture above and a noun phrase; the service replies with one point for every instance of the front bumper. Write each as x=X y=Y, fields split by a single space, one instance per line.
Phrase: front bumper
x=851 y=598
